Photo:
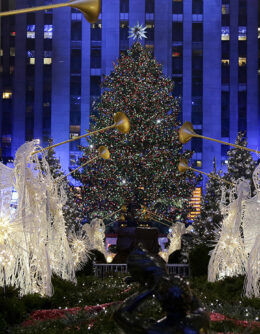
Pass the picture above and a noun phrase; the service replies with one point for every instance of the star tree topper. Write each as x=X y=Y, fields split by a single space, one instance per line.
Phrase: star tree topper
x=138 y=32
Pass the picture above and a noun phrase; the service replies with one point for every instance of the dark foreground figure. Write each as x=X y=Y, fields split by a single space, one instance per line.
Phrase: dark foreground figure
x=183 y=312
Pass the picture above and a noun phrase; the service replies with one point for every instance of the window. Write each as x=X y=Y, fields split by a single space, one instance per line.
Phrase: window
x=47 y=61
x=95 y=88
x=177 y=90
x=150 y=32
x=12 y=52
x=75 y=86
x=197 y=6
x=225 y=70
x=242 y=33
x=7 y=95
x=177 y=6
x=124 y=6
x=225 y=118
x=242 y=119
x=149 y=6
x=197 y=88
x=75 y=117
x=177 y=31
x=48 y=29
x=124 y=31
x=242 y=16
x=32 y=61
x=75 y=62
x=225 y=49
x=225 y=33
x=95 y=59
x=96 y=32
x=76 y=31
x=196 y=115
x=242 y=70
x=241 y=61
x=225 y=61
x=177 y=62
x=225 y=9
x=31 y=31
x=197 y=65
x=197 y=32
x=242 y=49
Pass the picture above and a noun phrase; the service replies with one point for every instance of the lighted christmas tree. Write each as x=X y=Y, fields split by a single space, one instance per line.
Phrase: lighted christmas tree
x=240 y=162
x=209 y=220
x=143 y=164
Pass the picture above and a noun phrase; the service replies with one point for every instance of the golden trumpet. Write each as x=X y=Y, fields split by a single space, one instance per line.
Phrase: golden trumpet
x=103 y=152
x=89 y=8
x=121 y=123
x=186 y=132
x=183 y=166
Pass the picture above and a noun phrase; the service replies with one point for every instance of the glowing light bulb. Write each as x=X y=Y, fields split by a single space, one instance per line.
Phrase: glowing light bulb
x=110 y=258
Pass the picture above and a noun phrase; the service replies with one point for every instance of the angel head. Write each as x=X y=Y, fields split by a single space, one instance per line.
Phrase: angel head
x=243 y=188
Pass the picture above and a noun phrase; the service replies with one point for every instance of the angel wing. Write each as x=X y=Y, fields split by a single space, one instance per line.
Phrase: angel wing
x=7 y=179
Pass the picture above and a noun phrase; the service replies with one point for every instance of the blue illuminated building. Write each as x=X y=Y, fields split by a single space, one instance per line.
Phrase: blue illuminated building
x=52 y=64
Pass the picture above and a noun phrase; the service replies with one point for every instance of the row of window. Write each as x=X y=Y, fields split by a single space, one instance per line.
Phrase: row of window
x=177 y=6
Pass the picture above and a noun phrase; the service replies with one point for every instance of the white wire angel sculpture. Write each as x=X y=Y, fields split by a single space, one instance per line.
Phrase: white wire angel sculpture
x=177 y=230
x=80 y=247
x=251 y=232
x=228 y=258
x=96 y=234
x=35 y=234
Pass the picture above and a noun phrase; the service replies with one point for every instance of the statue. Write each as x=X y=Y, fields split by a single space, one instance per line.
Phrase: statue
x=228 y=258
x=183 y=311
x=251 y=232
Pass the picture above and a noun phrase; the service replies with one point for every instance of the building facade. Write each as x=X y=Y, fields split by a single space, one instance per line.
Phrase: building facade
x=52 y=64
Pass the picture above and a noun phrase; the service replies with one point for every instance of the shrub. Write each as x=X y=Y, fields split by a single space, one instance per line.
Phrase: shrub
x=199 y=260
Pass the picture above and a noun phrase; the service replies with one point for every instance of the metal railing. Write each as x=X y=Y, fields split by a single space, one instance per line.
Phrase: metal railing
x=103 y=269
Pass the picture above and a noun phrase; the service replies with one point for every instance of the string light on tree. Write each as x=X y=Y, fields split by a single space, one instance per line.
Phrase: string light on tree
x=147 y=157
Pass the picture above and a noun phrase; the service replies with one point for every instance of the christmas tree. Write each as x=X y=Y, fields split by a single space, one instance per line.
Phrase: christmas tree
x=207 y=223
x=71 y=210
x=143 y=164
x=240 y=162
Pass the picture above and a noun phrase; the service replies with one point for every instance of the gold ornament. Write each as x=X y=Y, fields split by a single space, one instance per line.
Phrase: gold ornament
x=89 y=8
x=186 y=132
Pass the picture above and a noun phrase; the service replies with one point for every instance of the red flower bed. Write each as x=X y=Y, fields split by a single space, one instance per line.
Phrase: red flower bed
x=42 y=315
x=220 y=317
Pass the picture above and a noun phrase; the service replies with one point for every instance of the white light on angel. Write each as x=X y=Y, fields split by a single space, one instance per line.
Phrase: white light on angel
x=36 y=230
x=96 y=234
x=176 y=232
x=252 y=282
x=251 y=232
x=251 y=214
x=79 y=245
x=228 y=258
